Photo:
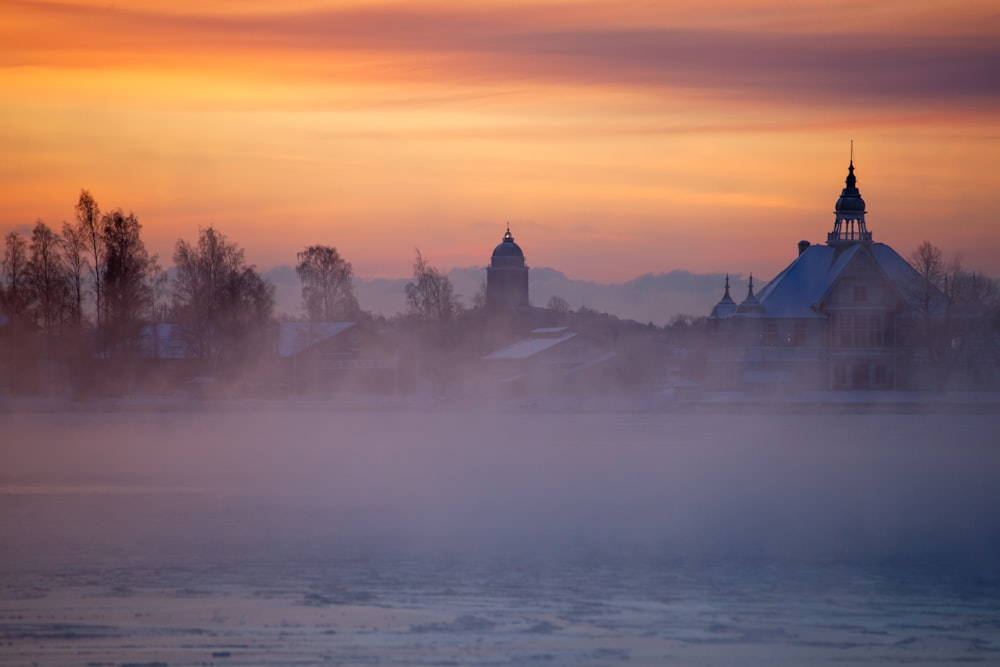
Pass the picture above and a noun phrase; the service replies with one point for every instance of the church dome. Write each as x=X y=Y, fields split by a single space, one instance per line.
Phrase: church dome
x=507 y=277
x=507 y=247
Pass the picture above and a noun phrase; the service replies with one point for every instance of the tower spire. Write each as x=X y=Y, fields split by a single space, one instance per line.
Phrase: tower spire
x=849 y=225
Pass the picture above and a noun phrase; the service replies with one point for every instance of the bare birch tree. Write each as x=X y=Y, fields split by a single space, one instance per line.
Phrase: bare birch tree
x=221 y=301
x=47 y=276
x=431 y=295
x=327 y=287
x=75 y=265
x=90 y=234
x=127 y=279
x=16 y=288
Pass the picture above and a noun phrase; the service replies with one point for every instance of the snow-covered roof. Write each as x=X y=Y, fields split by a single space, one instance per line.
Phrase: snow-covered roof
x=726 y=306
x=164 y=340
x=295 y=338
x=803 y=284
x=911 y=285
x=539 y=341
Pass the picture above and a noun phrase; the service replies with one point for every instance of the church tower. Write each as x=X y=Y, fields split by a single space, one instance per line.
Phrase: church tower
x=507 y=276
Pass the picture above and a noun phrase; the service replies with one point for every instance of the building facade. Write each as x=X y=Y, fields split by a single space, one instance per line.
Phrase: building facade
x=334 y=357
x=848 y=314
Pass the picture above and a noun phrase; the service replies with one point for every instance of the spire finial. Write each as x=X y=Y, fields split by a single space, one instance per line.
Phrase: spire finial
x=750 y=288
x=727 y=288
x=852 y=180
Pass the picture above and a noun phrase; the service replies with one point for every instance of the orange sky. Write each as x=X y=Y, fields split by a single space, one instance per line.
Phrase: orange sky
x=617 y=138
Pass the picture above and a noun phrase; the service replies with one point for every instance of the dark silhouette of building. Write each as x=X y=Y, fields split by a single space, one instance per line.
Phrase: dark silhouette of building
x=848 y=314
x=331 y=357
x=547 y=359
x=507 y=277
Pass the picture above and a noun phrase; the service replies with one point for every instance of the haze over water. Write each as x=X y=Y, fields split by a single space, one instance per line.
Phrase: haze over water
x=453 y=514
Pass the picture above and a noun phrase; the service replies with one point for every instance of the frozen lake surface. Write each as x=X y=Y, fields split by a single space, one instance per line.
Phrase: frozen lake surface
x=304 y=537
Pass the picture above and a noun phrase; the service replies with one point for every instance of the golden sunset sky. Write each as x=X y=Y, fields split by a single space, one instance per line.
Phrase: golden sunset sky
x=617 y=138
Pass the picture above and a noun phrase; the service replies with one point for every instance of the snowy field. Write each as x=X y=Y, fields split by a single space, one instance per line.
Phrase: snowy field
x=266 y=536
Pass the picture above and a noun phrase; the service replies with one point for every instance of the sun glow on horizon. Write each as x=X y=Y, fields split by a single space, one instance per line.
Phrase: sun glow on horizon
x=616 y=143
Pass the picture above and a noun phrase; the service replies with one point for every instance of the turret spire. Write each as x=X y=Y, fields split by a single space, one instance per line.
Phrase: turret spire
x=849 y=225
x=751 y=305
x=726 y=306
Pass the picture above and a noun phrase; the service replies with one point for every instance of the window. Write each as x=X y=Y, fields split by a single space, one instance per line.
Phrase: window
x=772 y=334
x=861 y=329
x=797 y=334
x=860 y=294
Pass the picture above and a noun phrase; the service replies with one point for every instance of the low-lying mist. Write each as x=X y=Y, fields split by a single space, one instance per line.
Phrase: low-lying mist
x=159 y=487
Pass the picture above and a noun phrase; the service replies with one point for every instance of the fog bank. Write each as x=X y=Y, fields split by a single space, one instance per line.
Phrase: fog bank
x=198 y=486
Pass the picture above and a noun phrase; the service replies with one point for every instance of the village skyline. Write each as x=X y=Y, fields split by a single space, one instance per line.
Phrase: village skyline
x=656 y=296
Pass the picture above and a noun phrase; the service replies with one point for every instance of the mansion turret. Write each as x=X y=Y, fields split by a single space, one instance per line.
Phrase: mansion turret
x=847 y=314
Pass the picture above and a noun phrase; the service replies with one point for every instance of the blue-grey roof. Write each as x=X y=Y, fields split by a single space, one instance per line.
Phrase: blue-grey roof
x=297 y=337
x=800 y=289
x=507 y=247
x=726 y=306
x=165 y=340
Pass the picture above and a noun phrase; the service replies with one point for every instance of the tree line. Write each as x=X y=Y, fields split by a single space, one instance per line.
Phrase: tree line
x=959 y=315
x=84 y=293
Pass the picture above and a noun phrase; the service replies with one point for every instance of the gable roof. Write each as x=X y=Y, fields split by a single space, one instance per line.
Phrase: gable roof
x=910 y=284
x=294 y=338
x=538 y=341
x=801 y=287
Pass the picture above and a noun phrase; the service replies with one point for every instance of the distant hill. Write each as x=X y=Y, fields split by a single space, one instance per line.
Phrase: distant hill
x=650 y=297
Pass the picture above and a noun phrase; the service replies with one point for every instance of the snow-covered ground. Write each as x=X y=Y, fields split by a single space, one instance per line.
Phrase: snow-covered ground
x=434 y=537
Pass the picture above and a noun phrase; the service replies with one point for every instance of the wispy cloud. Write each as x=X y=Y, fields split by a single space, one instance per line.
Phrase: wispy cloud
x=505 y=45
x=665 y=126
